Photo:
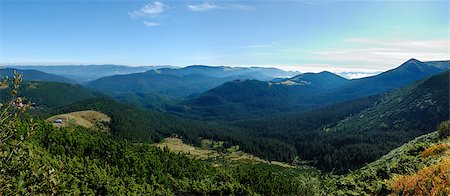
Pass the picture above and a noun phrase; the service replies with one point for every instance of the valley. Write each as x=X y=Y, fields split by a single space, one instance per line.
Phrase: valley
x=328 y=149
x=214 y=97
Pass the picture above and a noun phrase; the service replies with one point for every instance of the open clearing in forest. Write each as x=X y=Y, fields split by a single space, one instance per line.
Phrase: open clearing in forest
x=213 y=149
x=89 y=118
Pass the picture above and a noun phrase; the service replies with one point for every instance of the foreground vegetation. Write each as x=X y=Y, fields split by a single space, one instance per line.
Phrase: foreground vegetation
x=39 y=158
x=78 y=160
x=407 y=170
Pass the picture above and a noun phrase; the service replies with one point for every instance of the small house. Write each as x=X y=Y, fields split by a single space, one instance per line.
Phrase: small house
x=58 y=120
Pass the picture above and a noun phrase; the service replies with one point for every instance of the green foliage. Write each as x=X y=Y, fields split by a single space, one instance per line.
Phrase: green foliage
x=444 y=129
x=47 y=95
x=81 y=161
x=373 y=178
x=11 y=134
x=141 y=125
x=349 y=135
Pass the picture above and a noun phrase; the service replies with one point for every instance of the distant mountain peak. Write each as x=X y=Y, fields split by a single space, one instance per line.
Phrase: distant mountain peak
x=413 y=60
x=412 y=63
x=315 y=76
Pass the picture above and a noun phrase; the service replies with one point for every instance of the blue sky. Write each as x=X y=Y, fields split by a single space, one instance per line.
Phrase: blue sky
x=293 y=35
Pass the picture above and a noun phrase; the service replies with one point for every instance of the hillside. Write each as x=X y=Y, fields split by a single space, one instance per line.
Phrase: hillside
x=410 y=71
x=422 y=105
x=323 y=80
x=181 y=82
x=235 y=99
x=258 y=73
x=47 y=95
x=215 y=152
x=77 y=160
x=243 y=98
x=89 y=119
x=420 y=166
x=34 y=75
x=141 y=125
x=351 y=134
x=86 y=73
x=138 y=124
x=154 y=82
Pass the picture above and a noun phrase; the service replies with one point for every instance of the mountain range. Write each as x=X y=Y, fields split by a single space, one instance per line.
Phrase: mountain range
x=303 y=92
x=33 y=75
x=329 y=132
x=86 y=73
x=181 y=82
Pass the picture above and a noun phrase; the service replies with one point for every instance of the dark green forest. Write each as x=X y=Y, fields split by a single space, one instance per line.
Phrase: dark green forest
x=334 y=138
x=324 y=145
x=349 y=135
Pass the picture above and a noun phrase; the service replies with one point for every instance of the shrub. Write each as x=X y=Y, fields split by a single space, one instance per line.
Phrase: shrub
x=432 y=180
x=434 y=150
x=444 y=129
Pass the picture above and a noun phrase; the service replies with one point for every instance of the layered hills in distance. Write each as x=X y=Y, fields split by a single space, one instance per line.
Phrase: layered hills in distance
x=303 y=131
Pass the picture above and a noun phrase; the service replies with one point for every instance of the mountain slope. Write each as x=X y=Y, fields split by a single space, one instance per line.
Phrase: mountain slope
x=382 y=176
x=323 y=80
x=154 y=82
x=48 y=95
x=85 y=73
x=410 y=71
x=258 y=73
x=33 y=75
x=303 y=92
x=182 y=82
x=58 y=161
x=348 y=135
x=422 y=106
x=236 y=99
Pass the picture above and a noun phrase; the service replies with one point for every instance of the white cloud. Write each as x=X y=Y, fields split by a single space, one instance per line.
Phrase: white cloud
x=376 y=54
x=150 y=10
x=206 y=6
x=150 y=24
x=203 y=7
x=355 y=75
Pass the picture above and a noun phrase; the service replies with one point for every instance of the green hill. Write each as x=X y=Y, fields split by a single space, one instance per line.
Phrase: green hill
x=237 y=99
x=181 y=82
x=348 y=135
x=34 y=75
x=81 y=161
x=382 y=176
x=47 y=95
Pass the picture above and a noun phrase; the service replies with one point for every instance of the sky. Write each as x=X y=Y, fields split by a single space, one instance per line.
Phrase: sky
x=307 y=36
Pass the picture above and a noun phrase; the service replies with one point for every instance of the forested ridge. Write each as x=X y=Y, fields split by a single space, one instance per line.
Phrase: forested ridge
x=141 y=125
x=334 y=138
x=49 y=160
x=40 y=158
x=349 y=135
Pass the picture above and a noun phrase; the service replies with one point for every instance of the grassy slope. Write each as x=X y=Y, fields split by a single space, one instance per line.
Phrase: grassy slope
x=88 y=119
x=378 y=176
x=214 y=151
x=422 y=106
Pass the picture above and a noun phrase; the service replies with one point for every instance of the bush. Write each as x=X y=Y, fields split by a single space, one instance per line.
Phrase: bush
x=434 y=150
x=431 y=180
x=444 y=129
